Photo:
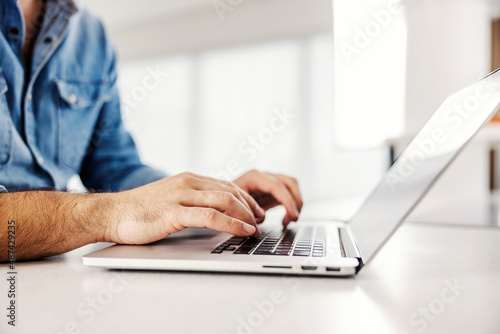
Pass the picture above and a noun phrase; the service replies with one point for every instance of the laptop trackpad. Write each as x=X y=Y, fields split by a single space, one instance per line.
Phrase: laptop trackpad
x=189 y=236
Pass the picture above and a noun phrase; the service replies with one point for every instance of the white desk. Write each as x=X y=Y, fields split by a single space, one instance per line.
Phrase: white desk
x=410 y=273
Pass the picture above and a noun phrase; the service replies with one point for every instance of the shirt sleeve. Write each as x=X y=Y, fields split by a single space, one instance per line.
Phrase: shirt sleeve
x=113 y=163
x=2 y=189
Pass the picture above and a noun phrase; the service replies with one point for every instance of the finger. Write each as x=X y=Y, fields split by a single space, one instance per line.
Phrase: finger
x=204 y=183
x=256 y=208
x=215 y=220
x=274 y=186
x=242 y=195
x=287 y=220
x=224 y=202
x=293 y=186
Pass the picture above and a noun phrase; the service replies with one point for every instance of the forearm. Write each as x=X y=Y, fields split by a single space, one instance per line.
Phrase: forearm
x=51 y=223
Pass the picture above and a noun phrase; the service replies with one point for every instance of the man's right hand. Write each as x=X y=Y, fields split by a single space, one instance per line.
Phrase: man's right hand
x=159 y=209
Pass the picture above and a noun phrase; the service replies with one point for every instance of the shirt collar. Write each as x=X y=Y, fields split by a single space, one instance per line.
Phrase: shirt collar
x=68 y=5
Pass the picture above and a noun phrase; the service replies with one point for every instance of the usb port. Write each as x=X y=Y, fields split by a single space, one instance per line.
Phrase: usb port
x=332 y=269
x=309 y=267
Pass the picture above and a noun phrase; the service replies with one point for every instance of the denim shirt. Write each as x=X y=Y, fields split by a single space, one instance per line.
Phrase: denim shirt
x=61 y=116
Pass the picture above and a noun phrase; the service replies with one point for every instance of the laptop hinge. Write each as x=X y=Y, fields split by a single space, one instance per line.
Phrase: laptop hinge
x=349 y=247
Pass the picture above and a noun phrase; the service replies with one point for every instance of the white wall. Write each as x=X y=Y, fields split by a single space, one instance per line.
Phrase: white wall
x=370 y=72
x=162 y=28
x=448 y=48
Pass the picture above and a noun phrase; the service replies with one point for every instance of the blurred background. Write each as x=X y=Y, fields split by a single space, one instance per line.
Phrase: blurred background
x=327 y=91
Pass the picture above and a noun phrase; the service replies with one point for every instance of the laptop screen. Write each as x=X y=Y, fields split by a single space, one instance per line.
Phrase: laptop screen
x=429 y=153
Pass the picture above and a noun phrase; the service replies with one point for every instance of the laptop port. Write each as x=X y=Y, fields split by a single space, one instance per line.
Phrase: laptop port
x=332 y=269
x=309 y=267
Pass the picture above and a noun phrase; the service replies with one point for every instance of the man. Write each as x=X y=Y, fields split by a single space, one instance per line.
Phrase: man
x=60 y=115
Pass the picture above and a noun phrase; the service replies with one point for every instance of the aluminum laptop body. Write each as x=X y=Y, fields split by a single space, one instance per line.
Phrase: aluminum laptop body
x=328 y=248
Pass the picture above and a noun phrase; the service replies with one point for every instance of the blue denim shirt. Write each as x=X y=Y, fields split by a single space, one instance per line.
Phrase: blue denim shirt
x=61 y=116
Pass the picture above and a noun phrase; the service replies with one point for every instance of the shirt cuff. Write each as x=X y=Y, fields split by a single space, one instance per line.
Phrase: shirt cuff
x=2 y=189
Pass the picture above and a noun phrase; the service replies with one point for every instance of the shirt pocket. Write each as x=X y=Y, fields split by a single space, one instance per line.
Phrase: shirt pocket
x=5 y=123
x=79 y=103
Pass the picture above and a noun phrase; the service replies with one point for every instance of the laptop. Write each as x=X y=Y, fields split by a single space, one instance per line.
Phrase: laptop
x=327 y=248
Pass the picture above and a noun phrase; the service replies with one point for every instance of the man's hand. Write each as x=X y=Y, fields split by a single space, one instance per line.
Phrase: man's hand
x=270 y=190
x=159 y=209
x=156 y=210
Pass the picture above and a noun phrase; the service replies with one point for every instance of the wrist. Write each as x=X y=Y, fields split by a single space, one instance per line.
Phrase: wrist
x=109 y=208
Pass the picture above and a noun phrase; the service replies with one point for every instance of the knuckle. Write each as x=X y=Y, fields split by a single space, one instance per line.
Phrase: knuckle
x=230 y=185
x=233 y=225
x=175 y=222
x=231 y=189
x=185 y=178
x=210 y=215
x=228 y=198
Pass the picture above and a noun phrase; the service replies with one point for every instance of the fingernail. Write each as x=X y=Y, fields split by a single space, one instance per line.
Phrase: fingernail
x=249 y=228
x=297 y=213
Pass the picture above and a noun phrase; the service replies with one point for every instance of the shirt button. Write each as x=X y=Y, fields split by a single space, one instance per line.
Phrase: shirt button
x=47 y=40
x=40 y=160
x=72 y=99
x=14 y=31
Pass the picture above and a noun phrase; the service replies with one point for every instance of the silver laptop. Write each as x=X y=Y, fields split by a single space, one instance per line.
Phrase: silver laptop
x=328 y=248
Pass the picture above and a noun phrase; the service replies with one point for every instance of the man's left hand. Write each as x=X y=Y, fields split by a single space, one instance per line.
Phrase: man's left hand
x=270 y=190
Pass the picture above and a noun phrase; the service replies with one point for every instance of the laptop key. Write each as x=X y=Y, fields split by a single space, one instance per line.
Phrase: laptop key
x=243 y=250
x=263 y=252
x=301 y=253
x=282 y=252
x=234 y=241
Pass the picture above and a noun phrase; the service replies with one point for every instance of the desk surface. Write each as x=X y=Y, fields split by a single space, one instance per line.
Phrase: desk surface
x=428 y=278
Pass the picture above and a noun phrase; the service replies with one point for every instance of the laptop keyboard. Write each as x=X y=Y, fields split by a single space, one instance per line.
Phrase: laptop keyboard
x=306 y=241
